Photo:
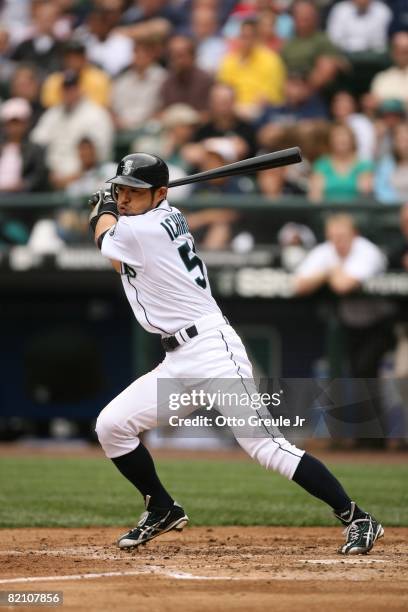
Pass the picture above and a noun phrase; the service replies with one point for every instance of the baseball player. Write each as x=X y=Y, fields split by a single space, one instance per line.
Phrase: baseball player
x=149 y=244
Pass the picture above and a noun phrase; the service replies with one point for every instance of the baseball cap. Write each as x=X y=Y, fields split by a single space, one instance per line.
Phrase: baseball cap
x=70 y=78
x=15 y=108
x=223 y=147
x=392 y=105
x=180 y=114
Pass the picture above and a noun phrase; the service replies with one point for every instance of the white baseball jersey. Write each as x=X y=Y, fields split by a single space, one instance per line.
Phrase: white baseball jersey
x=165 y=282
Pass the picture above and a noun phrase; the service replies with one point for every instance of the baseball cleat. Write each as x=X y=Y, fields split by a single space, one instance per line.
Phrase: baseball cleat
x=361 y=535
x=153 y=522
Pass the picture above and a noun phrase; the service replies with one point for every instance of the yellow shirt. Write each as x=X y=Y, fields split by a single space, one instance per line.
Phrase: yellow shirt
x=257 y=79
x=94 y=83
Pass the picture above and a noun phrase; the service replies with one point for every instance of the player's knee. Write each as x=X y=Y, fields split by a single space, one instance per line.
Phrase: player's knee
x=275 y=454
x=109 y=430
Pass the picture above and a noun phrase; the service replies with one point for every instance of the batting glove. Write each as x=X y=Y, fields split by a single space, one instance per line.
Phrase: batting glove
x=102 y=204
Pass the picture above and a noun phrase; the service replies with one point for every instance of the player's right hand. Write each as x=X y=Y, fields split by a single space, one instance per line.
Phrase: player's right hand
x=102 y=203
x=99 y=197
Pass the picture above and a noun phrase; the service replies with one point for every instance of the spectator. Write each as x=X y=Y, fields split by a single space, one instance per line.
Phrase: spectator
x=343 y=263
x=267 y=24
x=15 y=17
x=301 y=103
x=254 y=72
x=211 y=47
x=62 y=127
x=22 y=163
x=391 y=179
x=398 y=257
x=93 y=82
x=144 y=10
x=344 y=110
x=390 y=114
x=25 y=83
x=92 y=174
x=340 y=175
x=185 y=83
x=393 y=82
x=310 y=50
x=359 y=25
x=223 y=123
x=214 y=227
x=108 y=49
x=135 y=93
x=179 y=123
x=42 y=48
x=6 y=64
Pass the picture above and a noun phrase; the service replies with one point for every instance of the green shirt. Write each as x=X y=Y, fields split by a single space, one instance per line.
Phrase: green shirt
x=340 y=187
x=300 y=54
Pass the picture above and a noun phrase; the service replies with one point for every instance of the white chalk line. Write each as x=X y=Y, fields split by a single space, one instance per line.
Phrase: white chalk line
x=348 y=561
x=141 y=571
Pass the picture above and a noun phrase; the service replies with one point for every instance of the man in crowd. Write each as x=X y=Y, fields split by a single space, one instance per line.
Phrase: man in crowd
x=343 y=263
x=359 y=25
x=393 y=82
x=61 y=128
x=253 y=71
x=185 y=83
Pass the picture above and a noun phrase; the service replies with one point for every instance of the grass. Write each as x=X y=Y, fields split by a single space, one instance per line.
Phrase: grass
x=78 y=492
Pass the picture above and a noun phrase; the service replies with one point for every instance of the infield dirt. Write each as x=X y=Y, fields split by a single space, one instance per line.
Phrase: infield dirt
x=208 y=569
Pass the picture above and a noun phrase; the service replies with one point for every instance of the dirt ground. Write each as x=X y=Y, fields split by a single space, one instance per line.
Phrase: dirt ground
x=203 y=569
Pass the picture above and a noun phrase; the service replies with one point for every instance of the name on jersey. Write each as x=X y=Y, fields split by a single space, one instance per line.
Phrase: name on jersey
x=175 y=225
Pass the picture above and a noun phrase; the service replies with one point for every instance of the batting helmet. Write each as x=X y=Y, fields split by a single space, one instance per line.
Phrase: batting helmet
x=141 y=170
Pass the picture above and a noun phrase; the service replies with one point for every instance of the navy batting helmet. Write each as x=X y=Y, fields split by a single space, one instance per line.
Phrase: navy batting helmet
x=141 y=170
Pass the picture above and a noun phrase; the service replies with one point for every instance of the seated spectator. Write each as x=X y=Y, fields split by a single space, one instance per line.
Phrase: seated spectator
x=267 y=29
x=25 y=83
x=340 y=175
x=301 y=103
x=295 y=241
x=310 y=50
x=393 y=82
x=283 y=26
x=92 y=173
x=223 y=123
x=359 y=25
x=185 y=84
x=135 y=93
x=211 y=47
x=144 y=10
x=22 y=163
x=391 y=178
x=62 y=127
x=390 y=114
x=344 y=110
x=108 y=49
x=42 y=48
x=254 y=72
x=215 y=226
x=93 y=82
x=7 y=65
x=343 y=263
x=398 y=256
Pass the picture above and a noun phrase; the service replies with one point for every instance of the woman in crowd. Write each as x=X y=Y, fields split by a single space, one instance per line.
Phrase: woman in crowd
x=391 y=177
x=340 y=175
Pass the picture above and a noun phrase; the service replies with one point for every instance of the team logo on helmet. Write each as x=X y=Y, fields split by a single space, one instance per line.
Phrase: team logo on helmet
x=128 y=166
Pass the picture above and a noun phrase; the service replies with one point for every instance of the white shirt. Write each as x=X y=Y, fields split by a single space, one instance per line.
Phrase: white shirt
x=164 y=280
x=363 y=261
x=354 y=31
x=61 y=131
x=113 y=54
x=11 y=166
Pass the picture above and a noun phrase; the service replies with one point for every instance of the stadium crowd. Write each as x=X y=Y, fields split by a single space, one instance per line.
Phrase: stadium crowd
x=204 y=83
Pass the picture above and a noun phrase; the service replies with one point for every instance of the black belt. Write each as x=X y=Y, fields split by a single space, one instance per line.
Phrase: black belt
x=170 y=343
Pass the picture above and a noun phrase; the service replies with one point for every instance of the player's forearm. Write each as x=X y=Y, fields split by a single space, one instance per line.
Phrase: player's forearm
x=304 y=285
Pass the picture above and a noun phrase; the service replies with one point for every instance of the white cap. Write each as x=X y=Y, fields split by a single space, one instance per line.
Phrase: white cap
x=15 y=108
x=224 y=147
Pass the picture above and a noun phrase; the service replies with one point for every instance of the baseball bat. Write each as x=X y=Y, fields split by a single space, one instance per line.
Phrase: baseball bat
x=245 y=166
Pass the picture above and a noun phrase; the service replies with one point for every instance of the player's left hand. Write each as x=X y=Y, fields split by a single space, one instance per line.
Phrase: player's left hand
x=102 y=203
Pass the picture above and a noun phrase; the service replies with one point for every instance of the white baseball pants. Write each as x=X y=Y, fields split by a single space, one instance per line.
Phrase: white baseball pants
x=217 y=353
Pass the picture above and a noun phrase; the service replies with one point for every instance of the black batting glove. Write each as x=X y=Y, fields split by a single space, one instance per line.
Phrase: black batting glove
x=102 y=204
